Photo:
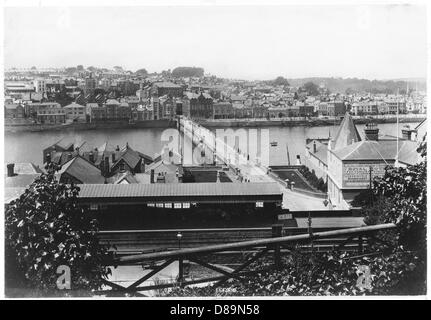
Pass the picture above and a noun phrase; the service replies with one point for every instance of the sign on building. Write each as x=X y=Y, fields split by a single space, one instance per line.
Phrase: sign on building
x=358 y=174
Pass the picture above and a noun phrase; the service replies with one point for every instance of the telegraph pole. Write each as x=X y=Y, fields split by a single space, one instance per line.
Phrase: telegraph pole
x=371 y=187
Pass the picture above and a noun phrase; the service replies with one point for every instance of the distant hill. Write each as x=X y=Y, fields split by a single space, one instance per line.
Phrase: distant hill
x=350 y=85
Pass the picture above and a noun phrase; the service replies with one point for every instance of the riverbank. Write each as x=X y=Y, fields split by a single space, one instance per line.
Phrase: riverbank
x=230 y=123
x=303 y=122
x=90 y=126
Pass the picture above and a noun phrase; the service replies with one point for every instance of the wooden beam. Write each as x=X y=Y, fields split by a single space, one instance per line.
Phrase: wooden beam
x=242 y=267
x=251 y=243
x=149 y=275
x=212 y=267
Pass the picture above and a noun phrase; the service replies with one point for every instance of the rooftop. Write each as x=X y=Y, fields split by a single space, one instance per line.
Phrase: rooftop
x=347 y=133
x=187 y=191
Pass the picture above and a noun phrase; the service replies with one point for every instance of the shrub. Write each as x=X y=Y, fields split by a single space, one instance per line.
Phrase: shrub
x=45 y=228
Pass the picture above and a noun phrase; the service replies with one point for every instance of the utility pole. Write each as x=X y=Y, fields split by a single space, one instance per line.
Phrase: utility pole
x=371 y=187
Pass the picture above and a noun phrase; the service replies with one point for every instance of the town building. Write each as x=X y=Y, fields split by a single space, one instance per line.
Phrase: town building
x=14 y=111
x=198 y=104
x=75 y=112
x=159 y=89
x=354 y=161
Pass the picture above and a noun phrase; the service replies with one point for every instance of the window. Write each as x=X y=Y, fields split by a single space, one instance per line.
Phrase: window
x=94 y=206
x=186 y=205
x=159 y=205
x=177 y=205
x=168 y=205
x=150 y=205
x=259 y=204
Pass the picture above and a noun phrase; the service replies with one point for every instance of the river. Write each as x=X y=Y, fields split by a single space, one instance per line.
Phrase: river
x=28 y=146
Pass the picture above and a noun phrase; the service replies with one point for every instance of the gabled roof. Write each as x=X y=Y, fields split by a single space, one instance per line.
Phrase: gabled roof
x=347 y=133
x=82 y=170
x=385 y=150
x=321 y=150
x=130 y=156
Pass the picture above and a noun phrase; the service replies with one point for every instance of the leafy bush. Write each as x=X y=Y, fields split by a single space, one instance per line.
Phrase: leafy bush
x=45 y=228
x=311 y=177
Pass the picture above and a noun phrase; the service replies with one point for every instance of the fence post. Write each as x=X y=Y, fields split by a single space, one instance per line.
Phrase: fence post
x=277 y=230
x=180 y=271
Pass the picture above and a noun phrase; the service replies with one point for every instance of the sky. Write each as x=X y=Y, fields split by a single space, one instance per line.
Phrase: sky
x=240 y=42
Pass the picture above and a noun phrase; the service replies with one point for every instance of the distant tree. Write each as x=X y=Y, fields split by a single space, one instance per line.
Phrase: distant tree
x=92 y=69
x=63 y=98
x=280 y=81
x=44 y=229
x=118 y=69
x=187 y=72
x=311 y=88
x=71 y=70
x=80 y=67
x=141 y=72
x=33 y=68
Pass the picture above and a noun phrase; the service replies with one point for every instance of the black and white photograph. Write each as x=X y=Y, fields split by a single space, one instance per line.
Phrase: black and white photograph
x=214 y=150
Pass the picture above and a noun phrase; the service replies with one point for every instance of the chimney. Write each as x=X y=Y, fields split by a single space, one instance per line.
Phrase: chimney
x=152 y=176
x=298 y=160
x=314 y=147
x=371 y=132
x=407 y=133
x=10 y=169
x=48 y=157
x=91 y=156
x=113 y=157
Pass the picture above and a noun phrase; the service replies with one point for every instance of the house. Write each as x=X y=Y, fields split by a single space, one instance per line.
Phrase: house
x=162 y=88
x=61 y=152
x=316 y=157
x=165 y=172
x=111 y=162
x=13 y=111
x=79 y=171
x=75 y=112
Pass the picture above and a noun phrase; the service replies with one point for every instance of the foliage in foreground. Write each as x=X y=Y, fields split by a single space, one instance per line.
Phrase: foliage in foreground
x=45 y=228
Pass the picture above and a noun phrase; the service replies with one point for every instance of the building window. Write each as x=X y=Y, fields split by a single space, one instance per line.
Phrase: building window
x=259 y=204
x=177 y=205
x=186 y=205
x=159 y=205
x=150 y=205
x=94 y=206
x=168 y=205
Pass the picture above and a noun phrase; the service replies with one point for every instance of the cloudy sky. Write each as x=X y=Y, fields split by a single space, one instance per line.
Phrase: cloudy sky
x=247 y=42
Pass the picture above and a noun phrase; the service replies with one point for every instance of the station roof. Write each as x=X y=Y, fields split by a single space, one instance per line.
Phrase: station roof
x=186 y=192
